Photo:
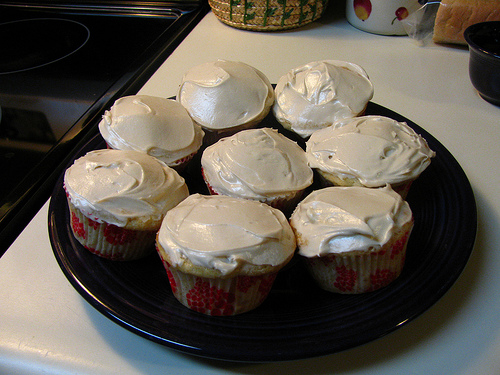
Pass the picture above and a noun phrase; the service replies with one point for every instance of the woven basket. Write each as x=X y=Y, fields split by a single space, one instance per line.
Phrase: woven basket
x=267 y=15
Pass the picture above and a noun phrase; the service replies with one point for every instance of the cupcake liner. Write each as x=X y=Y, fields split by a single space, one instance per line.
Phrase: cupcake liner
x=110 y=241
x=219 y=296
x=402 y=188
x=285 y=203
x=180 y=165
x=211 y=190
x=214 y=135
x=326 y=180
x=359 y=273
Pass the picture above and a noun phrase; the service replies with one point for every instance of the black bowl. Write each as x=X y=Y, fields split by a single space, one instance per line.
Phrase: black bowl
x=484 y=62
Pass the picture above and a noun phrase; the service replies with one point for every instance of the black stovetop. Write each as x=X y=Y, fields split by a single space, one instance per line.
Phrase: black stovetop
x=61 y=65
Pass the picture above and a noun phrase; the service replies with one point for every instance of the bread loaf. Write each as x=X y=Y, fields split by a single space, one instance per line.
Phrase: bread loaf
x=454 y=16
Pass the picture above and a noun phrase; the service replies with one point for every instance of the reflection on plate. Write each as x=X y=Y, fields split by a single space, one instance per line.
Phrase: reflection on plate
x=297 y=320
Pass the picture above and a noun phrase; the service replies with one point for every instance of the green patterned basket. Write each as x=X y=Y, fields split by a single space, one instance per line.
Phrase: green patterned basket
x=267 y=15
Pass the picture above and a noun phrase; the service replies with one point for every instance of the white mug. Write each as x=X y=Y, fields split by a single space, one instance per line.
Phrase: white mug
x=380 y=16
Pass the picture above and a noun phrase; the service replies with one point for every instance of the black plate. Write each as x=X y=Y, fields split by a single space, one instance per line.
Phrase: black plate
x=297 y=320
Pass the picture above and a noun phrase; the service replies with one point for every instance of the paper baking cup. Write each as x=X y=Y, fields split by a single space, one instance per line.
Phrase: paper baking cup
x=402 y=188
x=327 y=180
x=219 y=296
x=358 y=273
x=213 y=135
x=285 y=203
x=110 y=241
x=180 y=165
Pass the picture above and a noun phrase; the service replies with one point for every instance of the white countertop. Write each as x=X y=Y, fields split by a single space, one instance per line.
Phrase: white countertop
x=48 y=328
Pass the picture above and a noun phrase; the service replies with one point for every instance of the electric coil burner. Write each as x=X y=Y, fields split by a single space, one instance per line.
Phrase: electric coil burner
x=61 y=65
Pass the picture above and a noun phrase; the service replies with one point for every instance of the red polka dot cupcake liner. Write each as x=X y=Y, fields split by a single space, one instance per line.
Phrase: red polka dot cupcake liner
x=180 y=165
x=359 y=273
x=110 y=241
x=219 y=296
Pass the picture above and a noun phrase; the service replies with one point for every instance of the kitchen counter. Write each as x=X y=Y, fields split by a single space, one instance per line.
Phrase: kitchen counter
x=48 y=328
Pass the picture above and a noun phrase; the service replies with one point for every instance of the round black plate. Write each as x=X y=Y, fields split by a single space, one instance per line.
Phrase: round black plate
x=297 y=320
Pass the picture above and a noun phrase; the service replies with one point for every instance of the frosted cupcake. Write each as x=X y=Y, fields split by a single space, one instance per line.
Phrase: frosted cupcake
x=156 y=126
x=315 y=95
x=222 y=254
x=369 y=151
x=353 y=239
x=117 y=201
x=225 y=96
x=258 y=164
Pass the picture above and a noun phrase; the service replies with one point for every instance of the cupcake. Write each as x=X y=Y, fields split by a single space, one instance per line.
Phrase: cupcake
x=225 y=97
x=369 y=151
x=258 y=164
x=222 y=254
x=117 y=200
x=353 y=239
x=156 y=126
x=315 y=95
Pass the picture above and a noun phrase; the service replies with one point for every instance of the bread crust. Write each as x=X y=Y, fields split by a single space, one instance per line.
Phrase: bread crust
x=454 y=16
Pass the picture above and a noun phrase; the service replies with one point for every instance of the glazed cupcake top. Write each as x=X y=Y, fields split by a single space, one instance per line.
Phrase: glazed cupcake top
x=341 y=219
x=225 y=94
x=157 y=126
x=228 y=234
x=256 y=163
x=118 y=186
x=315 y=95
x=376 y=150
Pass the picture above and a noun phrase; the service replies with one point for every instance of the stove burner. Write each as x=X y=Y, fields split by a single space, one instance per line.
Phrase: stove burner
x=58 y=74
x=32 y=43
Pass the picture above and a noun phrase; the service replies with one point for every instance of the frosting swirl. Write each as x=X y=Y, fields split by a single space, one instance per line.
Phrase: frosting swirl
x=122 y=186
x=227 y=234
x=315 y=95
x=255 y=164
x=157 y=126
x=376 y=150
x=341 y=219
x=225 y=94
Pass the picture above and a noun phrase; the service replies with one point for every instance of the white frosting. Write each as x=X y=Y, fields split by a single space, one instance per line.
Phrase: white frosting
x=374 y=149
x=224 y=94
x=225 y=233
x=315 y=95
x=117 y=186
x=256 y=163
x=157 y=126
x=341 y=219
